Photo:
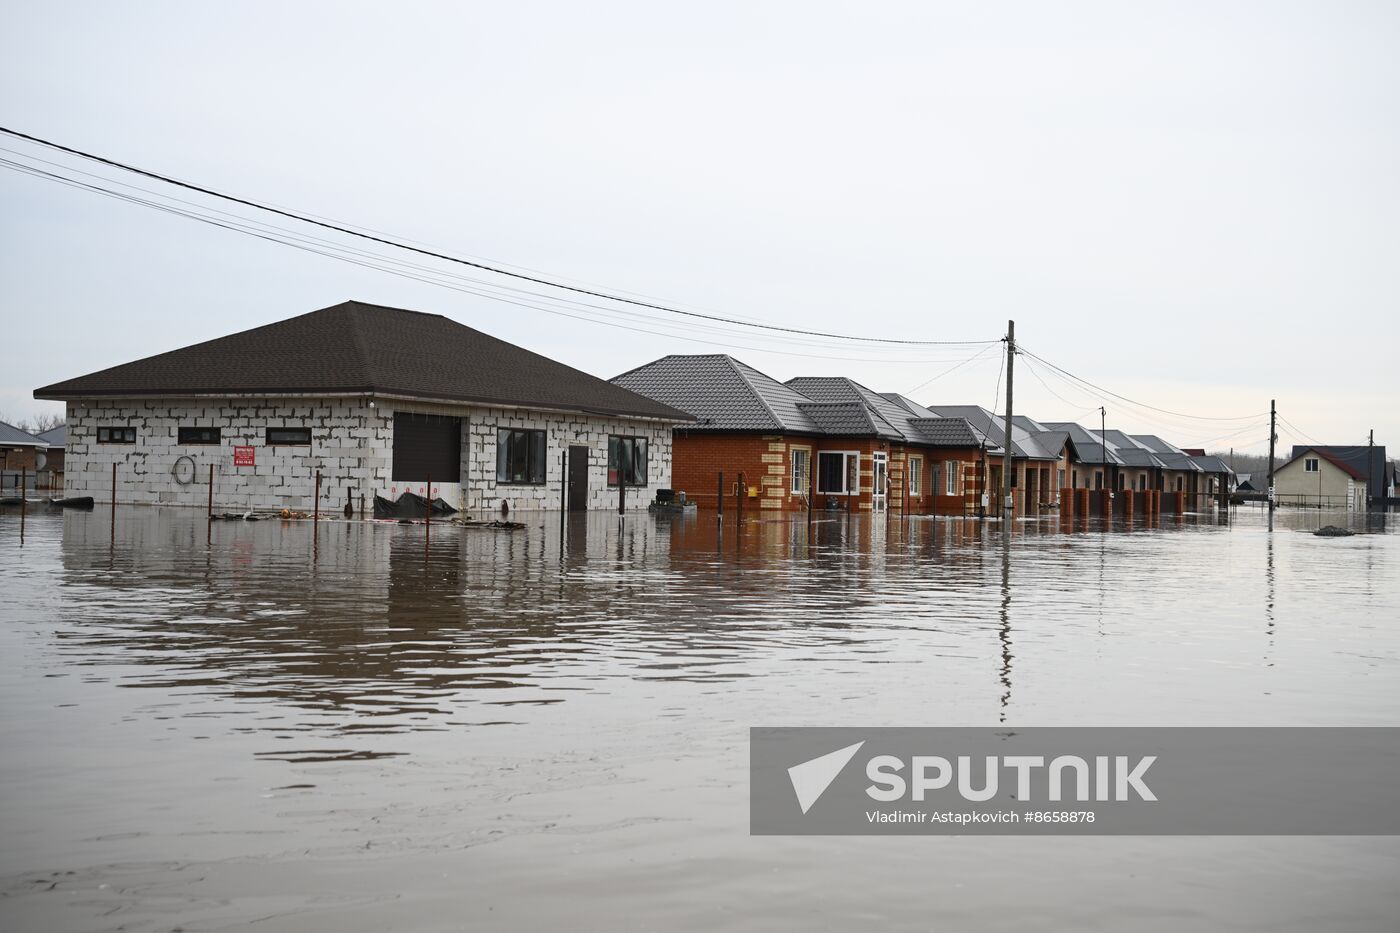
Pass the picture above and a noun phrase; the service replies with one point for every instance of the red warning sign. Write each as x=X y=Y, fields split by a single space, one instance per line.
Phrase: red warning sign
x=243 y=456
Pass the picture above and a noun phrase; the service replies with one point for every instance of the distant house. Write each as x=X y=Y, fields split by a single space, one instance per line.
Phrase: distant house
x=51 y=473
x=1367 y=460
x=1318 y=478
x=21 y=455
x=376 y=401
x=830 y=442
x=1040 y=455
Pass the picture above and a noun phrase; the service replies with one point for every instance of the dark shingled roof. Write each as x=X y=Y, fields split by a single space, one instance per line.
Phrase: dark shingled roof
x=355 y=348
x=949 y=432
x=54 y=437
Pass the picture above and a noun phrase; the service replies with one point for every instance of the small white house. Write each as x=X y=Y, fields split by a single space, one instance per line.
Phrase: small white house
x=377 y=400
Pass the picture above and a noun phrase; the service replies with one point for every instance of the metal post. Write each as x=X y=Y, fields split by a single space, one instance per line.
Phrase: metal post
x=210 y=512
x=563 y=492
x=316 y=506
x=427 y=515
x=811 y=489
x=720 y=497
x=23 y=499
x=621 y=493
x=114 y=501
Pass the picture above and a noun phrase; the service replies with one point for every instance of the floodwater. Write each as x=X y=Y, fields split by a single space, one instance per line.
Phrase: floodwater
x=357 y=732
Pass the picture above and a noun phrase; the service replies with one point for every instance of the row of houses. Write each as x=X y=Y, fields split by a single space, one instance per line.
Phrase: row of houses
x=833 y=443
x=360 y=400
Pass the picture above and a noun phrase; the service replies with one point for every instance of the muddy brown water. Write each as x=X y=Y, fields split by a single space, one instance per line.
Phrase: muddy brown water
x=502 y=732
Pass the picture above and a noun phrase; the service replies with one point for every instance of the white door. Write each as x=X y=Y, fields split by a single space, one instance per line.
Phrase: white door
x=879 y=476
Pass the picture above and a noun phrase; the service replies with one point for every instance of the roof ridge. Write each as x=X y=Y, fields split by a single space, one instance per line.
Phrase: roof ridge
x=753 y=390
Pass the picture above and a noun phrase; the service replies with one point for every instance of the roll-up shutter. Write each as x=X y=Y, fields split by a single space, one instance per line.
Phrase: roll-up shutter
x=427 y=445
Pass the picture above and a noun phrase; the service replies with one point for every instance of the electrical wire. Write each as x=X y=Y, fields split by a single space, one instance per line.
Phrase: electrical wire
x=496 y=269
x=430 y=277
x=1124 y=398
x=983 y=352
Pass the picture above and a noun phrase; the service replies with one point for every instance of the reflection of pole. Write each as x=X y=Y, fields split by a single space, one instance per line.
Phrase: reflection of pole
x=114 y=500
x=1273 y=436
x=428 y=516
x=209 y=513
x=1004 y=631
x=563 y=492
x=23 y=499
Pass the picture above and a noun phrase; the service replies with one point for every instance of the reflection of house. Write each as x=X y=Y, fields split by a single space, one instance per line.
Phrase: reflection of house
x=376 y=400
x=51 y=473
x=1319 y=478
x=830 y=440
x=21 y=457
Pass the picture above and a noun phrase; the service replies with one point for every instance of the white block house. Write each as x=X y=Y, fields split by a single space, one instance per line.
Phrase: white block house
x=377 y=400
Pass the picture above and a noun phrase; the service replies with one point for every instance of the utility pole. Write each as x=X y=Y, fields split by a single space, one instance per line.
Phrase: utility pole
x=1370 y=462
x=1009 y=462
x=1103 y=461
x=1273 y=437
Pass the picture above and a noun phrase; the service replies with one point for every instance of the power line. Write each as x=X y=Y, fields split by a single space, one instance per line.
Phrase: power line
x=1124 y=398
x=430 y=277
x=339 y=228
x=978 y=355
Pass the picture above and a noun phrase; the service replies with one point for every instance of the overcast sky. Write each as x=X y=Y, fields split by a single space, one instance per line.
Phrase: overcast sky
x=1192 y=205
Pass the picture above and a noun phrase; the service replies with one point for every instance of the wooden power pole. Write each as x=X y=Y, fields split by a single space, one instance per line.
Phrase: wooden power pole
x=1273 y=437
x=1008 y=462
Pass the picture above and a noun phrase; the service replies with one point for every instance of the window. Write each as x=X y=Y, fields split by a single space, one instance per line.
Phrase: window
x=191 y=435
x=916 y=476
x=1062 y=480
x=118 y=434
x=801 y=469
x=288 y=437
x=1098 y=479
x=951 y=469
x=520 y=457
x=838 y=473
x=1120 y=481
x=627 y=461
x=1310 y=465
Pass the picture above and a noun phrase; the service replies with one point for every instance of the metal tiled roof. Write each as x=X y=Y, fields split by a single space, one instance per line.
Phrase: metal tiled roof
x=54 y=437
x=890 y=418
x=844 y=418
x=1212 y=464
x=358 y=348
x=1155 y=444
x=1087 y=446
x=950 y=432
x=11 y=436
x=722 y=394
x=1025 y=444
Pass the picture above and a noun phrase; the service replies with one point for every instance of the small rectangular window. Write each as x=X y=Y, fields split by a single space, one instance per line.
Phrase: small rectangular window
x=116 y=434
x=627 y=461
x=193 y=435
x=801 y=470
x=916 y=476
x=520 y=457
x=288 y=437
x=1310 y=465
x=950 y=470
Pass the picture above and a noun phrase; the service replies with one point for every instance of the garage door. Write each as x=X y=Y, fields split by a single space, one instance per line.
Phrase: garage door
x=427 y=445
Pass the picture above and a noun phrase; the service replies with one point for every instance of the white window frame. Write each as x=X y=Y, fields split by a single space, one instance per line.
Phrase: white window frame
x=847 y=456
x=950 y=477
x=799 y=487
x=1312 y=464
x=916 y=475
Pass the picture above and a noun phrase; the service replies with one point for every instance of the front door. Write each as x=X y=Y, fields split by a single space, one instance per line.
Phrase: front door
x=578 y=479
x=879 y=477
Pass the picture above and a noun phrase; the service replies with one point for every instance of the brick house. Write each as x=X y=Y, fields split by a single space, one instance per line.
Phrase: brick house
x=829 y=441
x=22 y=455
x=375 y=399
x=1040 y=456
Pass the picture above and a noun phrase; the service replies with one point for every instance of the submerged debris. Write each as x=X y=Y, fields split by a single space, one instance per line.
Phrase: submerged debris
x=1332 y=531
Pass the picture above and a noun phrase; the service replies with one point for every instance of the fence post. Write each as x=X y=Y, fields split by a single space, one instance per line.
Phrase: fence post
x=114 y=500
x=428 y=515
x=563 y=492
x=209 y=513
x=720 y=498
x=316 y=506
x=23 y=498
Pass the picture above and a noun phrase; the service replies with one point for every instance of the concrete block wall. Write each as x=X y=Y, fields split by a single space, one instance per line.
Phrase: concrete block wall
x=351 y=445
